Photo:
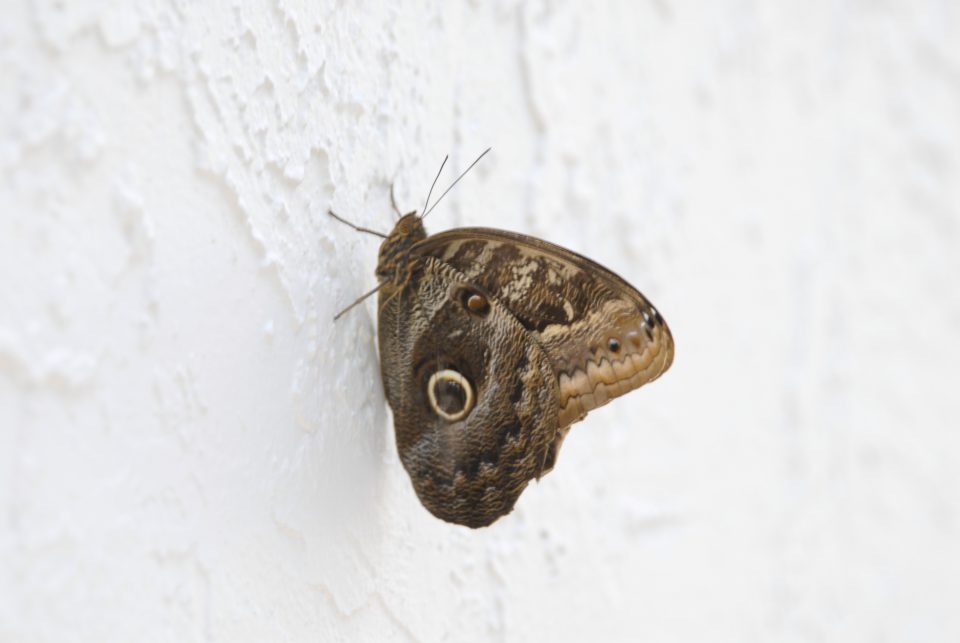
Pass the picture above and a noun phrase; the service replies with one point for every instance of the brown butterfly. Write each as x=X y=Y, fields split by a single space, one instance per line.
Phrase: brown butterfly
x=492 y=344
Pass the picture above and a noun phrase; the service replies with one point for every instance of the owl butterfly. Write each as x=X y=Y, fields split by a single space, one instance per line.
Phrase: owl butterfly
x=492 y=344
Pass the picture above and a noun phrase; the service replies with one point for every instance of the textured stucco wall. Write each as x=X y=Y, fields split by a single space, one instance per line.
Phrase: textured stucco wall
x=191 y=450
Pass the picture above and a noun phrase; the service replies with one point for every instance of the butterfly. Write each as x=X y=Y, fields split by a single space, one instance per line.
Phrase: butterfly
x=492 y=344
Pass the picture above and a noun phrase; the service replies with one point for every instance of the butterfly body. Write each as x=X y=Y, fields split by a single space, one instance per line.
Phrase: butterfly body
x=491 y=345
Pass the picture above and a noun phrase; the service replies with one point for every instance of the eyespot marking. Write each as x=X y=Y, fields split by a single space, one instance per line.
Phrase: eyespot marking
x=450 y=394
x=614 y=345
x=475 y=303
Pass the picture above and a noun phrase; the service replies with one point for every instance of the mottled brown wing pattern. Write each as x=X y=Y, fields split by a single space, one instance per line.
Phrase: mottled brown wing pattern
x=468 y=470
x=491 y=345
x=603 y=337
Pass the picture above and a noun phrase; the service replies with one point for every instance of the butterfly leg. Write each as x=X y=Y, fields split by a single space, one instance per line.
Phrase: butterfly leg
x=358 y=301
x=354 y=226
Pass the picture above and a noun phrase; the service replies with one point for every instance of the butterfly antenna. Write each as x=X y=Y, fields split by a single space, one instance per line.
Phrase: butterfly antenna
x=359 y=300
x=435 y=179
x=462 y=174
x=393 y=201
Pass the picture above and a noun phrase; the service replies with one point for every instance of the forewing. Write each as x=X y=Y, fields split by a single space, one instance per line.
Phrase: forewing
x=603 y=337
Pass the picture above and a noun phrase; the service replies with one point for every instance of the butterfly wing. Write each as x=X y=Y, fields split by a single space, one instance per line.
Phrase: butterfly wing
x=474 y=398
x=603 y=337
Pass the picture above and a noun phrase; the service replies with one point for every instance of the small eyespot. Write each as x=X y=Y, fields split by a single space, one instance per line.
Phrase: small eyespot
x=476 y=303
x=451 y=395
x=614 y=345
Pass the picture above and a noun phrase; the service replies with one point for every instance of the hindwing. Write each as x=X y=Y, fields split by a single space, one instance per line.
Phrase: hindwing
x=470 y=469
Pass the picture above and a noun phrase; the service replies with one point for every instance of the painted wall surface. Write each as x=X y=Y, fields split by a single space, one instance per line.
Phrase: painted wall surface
x=191 y=449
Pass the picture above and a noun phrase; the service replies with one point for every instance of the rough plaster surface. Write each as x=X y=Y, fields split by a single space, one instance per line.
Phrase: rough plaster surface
x=191 y=450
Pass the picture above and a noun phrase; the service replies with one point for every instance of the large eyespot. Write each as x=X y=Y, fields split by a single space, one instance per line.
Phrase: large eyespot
x=451 y=395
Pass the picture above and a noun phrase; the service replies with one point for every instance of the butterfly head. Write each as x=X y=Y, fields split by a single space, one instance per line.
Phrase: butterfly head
x=393 y=251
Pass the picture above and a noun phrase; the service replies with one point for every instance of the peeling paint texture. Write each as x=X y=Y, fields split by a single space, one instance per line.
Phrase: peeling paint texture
x=192 y=450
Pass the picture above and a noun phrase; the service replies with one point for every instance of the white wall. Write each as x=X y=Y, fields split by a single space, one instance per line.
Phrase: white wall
x=191 y=450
